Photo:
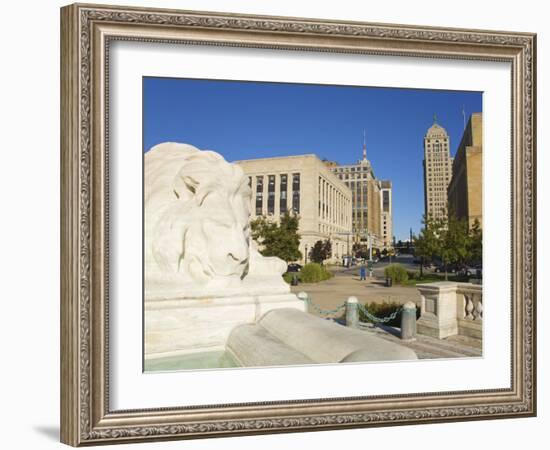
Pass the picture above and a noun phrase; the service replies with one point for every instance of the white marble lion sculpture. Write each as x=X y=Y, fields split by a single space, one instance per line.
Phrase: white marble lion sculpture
x=197 y=237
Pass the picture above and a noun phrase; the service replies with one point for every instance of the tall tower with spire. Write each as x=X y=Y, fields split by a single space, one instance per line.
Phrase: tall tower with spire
x=438 y=166
x=364 y=146
x=371 y=202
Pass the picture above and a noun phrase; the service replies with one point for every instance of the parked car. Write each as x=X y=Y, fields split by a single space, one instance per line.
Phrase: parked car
x=451 y=268
x=474 y=270
x=294 y=267
x=478 y=271
x=465 y=270
x=471 y=270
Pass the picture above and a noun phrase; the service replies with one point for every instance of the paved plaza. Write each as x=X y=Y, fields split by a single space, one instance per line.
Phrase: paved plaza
x=331 y=293
x=346 y=283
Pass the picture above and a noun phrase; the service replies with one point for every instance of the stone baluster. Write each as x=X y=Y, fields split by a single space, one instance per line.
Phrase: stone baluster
x=469 y=306
x=478 y=310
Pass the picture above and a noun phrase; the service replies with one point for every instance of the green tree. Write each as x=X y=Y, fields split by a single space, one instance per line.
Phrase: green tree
x=321 y=251
x=360 y=250
x=476 y=243
x=451 y=239
x=278 y=239
x=455 y=242
x=426 y=244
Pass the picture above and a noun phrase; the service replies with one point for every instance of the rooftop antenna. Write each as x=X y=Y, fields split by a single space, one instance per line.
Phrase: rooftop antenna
x=364 y=146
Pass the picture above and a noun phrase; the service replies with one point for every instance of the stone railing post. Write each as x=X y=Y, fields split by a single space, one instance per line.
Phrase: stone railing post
x=438 y=309
x=352 y=312
x=408 y=322
x=305 y=299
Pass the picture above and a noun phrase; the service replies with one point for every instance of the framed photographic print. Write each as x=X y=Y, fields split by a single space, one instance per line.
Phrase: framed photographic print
x=276 y=224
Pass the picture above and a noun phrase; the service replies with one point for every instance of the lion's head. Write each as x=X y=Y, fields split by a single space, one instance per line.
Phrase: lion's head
x=196 y=216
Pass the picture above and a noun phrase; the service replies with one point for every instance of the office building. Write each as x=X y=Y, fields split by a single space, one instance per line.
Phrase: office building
x=371 y=202
x=465 y=193
x=437 y=170
x=305 y=186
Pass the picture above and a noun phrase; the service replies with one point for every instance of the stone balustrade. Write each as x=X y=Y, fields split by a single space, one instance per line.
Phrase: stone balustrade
x=451 y=308
x=470 y=309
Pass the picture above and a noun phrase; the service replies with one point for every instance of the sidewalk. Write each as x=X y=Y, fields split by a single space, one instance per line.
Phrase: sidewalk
x=331 y=293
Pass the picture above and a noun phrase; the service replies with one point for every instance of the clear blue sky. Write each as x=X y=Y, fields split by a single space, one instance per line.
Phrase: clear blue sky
x=244 y=120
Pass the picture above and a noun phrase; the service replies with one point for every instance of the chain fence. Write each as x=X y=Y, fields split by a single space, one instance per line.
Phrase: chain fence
x=376 y=319
x=325 y=312
x=341 y=308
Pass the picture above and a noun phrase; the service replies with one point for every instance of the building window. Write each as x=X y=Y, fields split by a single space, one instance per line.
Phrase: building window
x=271 y=194
x=386 y=201
x=296 y=193
x=283 y=197
x=259 y=195
x=320 y=195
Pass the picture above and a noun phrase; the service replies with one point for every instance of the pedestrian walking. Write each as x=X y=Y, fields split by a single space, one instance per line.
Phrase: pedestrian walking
x=363 y=272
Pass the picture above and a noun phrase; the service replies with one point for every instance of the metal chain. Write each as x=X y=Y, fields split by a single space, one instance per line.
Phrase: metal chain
x=327 y=312
x=375 y=319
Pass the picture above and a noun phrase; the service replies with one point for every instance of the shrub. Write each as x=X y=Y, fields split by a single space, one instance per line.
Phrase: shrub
x=397 y=273
x=412 y=275
x=313 y=273
x=288 y=276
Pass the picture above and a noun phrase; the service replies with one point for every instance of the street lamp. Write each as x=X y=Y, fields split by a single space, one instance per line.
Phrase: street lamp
x=305 y=259
x=348 y=234
x=369 y=237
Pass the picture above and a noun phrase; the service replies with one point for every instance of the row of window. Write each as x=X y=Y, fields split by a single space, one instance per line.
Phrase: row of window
x=337 y=213
x=283 y=188
x=352 y=176
x=352 y=169
x=327 y=229
x=385 y=202
x=444 y=141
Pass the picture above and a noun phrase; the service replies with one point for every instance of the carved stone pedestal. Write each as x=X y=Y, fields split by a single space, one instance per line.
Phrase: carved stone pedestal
x=184 y=326
x=438 y=309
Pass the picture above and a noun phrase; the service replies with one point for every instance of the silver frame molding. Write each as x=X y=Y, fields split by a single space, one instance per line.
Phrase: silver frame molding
x=86 y=32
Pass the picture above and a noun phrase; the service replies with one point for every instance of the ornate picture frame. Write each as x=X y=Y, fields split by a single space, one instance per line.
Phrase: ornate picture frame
x=87 y=32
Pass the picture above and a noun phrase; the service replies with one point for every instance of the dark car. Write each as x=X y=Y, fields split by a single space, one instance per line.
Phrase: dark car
x=294 y=267
x=478 y=271
x=471 y=270
x=451 y=268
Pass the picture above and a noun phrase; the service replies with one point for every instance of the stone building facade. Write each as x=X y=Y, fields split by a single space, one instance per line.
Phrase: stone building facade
x=437 y=171
x=305 y=186
x=386 y=222
x=371 y=200
x=465 y=193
